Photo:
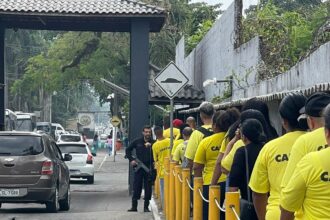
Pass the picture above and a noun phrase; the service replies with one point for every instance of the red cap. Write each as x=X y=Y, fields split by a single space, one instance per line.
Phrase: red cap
x=177 y=123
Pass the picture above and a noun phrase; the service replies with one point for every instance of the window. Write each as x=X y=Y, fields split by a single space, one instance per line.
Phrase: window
x=19 y=145
x=73 y=149
x=70 y=138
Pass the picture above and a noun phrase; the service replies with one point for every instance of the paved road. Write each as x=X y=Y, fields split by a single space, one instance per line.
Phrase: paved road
x=106 y=199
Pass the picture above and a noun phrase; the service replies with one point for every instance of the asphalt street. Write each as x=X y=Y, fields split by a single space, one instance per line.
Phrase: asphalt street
x=106 y=199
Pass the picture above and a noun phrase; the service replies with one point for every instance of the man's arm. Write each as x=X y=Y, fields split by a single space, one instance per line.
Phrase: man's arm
x=260 y=203
x=129 y=156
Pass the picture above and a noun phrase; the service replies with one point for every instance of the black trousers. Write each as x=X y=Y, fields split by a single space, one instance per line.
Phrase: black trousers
x=206 y=196
x=141 y=179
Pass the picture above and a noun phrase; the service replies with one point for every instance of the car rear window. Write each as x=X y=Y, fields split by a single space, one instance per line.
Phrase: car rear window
x=73 y=149
x=20 y=145
x=70 y=138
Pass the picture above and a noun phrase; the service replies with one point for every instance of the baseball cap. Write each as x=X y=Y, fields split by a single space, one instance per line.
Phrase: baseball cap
x=177 y=123
x=315 y=104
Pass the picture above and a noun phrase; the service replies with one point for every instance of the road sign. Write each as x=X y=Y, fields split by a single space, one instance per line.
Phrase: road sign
x=171 y=80
x=115 y=121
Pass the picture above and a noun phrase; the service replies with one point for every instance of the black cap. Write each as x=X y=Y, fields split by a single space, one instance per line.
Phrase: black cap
x=316 y=103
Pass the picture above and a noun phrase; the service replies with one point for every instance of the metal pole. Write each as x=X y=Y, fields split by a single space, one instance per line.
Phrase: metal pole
x=114 y=142
x=171 y=124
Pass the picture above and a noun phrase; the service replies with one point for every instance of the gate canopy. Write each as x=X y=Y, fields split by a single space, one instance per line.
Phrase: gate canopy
x=79 y=15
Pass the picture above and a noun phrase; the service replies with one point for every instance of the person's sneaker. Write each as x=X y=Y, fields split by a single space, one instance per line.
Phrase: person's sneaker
x=146 y=210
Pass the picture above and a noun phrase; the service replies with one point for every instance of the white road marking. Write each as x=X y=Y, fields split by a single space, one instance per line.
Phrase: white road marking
x=104 y=159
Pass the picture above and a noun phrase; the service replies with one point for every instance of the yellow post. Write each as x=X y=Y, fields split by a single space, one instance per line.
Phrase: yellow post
x=185 y=194
x=172 y=192
x=198 y=201
x=166 y=185
x=214 y=194
x=178 y=194
x=232 y=200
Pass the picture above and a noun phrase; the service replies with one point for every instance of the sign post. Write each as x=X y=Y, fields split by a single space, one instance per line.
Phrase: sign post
x=171 y=80
x=115 y=121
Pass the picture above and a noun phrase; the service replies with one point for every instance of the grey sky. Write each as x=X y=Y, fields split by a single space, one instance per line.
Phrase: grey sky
x=226 y=3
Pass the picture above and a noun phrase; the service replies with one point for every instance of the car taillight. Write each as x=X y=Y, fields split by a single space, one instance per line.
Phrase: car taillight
x=89 y=159
x=47 y=168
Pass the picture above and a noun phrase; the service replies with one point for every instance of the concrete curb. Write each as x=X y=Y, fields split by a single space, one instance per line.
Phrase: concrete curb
x=154 y=209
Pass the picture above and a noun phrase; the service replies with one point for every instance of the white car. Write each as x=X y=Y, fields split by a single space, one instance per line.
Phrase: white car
x=70 y=138
x=81 y=165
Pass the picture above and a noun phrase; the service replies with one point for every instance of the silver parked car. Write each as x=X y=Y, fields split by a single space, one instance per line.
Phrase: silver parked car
x=33 y=170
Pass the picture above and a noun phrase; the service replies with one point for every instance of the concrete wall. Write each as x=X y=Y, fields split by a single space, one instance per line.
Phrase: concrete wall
x=312 y=70
x=215 y=56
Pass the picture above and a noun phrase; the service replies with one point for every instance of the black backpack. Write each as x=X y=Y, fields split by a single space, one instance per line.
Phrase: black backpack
x=206 y=132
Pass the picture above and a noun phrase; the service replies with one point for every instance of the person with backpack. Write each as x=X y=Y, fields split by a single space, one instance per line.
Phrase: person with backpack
x=206 y=111
x=207 y=153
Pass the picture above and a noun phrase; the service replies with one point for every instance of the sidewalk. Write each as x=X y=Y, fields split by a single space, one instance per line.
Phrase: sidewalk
x=114 y=176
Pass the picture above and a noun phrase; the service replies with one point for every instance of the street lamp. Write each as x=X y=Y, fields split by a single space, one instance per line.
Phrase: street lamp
x=214 y=81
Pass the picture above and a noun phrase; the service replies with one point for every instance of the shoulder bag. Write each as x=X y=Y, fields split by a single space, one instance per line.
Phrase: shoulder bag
x=247 y=208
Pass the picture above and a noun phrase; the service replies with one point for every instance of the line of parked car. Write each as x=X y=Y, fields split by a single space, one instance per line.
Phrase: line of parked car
x=34 y=168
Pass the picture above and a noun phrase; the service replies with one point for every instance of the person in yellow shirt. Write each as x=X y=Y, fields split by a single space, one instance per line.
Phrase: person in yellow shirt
x=191 y=121
x=237 y=143
x=312 y=141
x=181 y=148
x=234 y=115
x=207 y=153
x=309 y=187
x=268 y=129
x=176 y=128
x=206 y=111
x=179 y=140
x=161 y=150
x=272 y=160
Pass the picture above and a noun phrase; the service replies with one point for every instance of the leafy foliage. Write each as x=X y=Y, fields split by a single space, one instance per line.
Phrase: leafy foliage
x=286 y=32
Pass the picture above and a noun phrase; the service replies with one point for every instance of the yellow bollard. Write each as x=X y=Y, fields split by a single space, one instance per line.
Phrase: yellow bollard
x=185 y=194
x=172 y=192
x=214 y=194
x=166 y=186
x=198 y=201
x=178 y=194
x=232 y=200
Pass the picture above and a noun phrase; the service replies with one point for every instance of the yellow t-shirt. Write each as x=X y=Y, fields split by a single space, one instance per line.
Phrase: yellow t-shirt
x=194 y=140
x=269 y=169
x=179 y=152
x=227 y=162
x=167 y=133
x=207 y=154
x=175 y=144
x=309 y=142
x=309 y=187
x=224 y=144
x=161 y=149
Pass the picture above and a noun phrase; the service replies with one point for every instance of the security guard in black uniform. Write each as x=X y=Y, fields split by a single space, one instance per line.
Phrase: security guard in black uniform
x=143 y=172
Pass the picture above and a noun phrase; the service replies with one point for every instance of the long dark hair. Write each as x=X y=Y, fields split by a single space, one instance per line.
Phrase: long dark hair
x=263 y=108
x=326 y=115
x=248 y=114
x=289 y=109
x=252 y=130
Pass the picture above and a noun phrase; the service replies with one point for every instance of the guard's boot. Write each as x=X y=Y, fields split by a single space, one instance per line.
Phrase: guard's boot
x=134 y=206
x=146 y=206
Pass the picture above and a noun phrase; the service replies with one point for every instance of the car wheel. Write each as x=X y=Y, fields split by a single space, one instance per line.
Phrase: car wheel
x=53 y=205
x=90 y=179
x=65 y=203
